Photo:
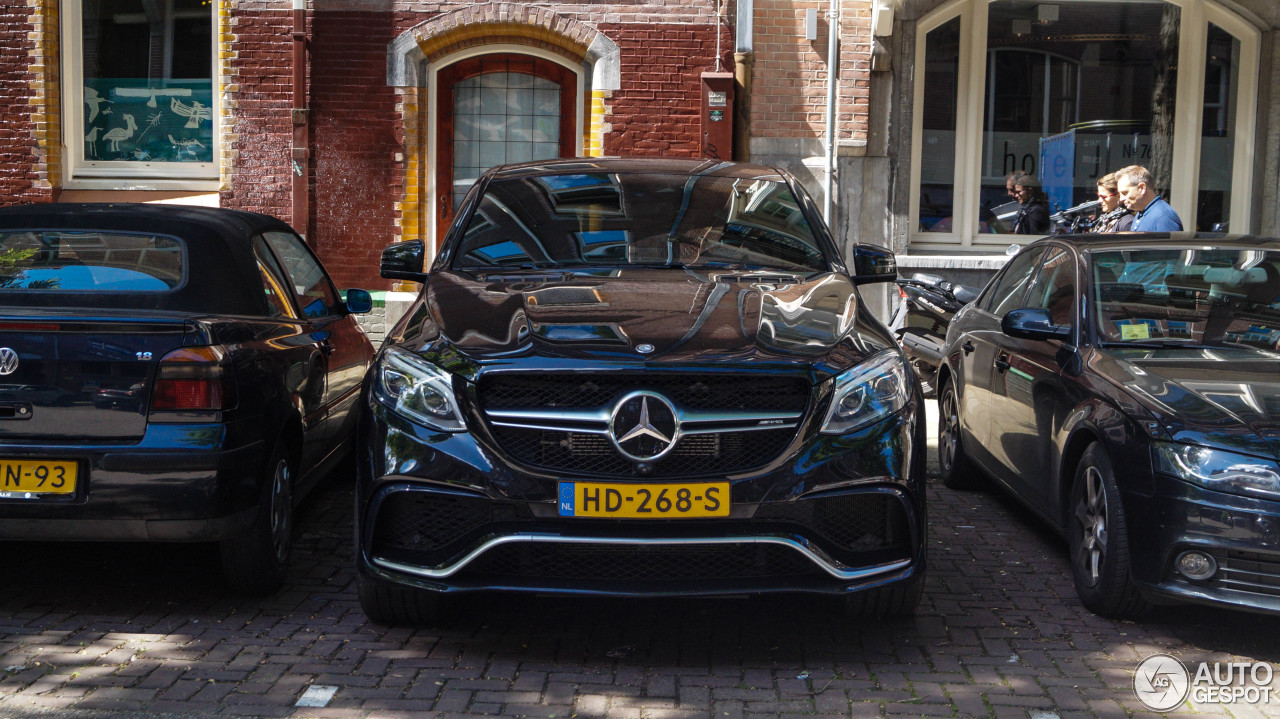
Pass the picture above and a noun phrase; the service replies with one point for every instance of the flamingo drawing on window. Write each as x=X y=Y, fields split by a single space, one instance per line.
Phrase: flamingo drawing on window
x=117 y=135
x=92 y=140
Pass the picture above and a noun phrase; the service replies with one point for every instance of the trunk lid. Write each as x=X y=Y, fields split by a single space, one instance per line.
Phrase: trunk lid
x=81 y=378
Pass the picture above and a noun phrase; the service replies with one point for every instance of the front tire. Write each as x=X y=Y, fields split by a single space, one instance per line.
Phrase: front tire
x=954 y=465
x=256 y=562
x=1098 y=538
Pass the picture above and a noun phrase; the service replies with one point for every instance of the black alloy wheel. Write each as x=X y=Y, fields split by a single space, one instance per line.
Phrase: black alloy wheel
x=1099 y=542
x=957 y=472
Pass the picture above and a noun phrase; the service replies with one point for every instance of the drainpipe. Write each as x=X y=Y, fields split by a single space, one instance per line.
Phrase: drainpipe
x=833 y=42
x=743 y=60
x=301 y=154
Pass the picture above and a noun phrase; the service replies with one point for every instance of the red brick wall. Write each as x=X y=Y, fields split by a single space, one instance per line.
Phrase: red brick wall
x=353 y=139
x=262 y=69
x=656 y=112
x=355 y=180
x=19 y=162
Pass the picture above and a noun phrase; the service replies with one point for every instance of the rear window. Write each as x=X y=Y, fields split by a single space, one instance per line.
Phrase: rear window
x=61 y=261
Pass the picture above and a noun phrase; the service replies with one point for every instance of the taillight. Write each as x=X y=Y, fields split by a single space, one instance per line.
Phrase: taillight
x=192 y=378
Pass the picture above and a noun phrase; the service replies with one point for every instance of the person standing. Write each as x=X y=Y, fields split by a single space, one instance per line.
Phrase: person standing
x=1033 y=216
x=1113 y=216
x=1151 y=212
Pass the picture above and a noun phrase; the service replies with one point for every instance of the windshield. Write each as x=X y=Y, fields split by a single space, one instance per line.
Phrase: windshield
x=1215 y=297
x=620 y=220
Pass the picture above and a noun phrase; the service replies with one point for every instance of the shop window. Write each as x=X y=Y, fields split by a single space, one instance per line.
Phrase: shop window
x=939 y=110
x=1068 y=92
x=1217 y=142
x=139 y=97
x=1040 y=119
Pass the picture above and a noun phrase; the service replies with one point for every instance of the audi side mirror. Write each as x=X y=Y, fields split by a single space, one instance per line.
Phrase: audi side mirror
x=1033 y=323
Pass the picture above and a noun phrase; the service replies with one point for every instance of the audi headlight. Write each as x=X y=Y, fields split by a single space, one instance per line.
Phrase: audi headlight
x=867 y=393
x=1219 y=470
x=419 y=391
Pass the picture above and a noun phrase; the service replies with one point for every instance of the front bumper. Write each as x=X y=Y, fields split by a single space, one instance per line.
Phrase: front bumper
x=1241 y=534
x=179 y=483
x=832 y=515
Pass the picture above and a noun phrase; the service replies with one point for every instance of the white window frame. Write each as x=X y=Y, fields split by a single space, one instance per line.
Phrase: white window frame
x=1188 y=120
x=88 y=174
x=433 y=193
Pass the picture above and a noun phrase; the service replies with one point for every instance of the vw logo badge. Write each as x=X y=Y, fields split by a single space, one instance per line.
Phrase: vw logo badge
x=644 y=426
x=8 y=361
x=644 y=349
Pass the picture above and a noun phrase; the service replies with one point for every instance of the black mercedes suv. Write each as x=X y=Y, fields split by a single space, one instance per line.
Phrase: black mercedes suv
x=637 y=378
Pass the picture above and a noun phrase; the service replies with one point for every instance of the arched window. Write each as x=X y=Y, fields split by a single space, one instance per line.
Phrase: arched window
x=1071 y=91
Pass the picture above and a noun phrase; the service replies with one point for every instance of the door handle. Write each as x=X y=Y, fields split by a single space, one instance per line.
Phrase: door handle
x=967 y=347
x=326 y=347
x=1002 y=362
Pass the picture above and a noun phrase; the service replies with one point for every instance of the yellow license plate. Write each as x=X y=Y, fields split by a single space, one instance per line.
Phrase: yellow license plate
x=671 y=500
x=25 y=476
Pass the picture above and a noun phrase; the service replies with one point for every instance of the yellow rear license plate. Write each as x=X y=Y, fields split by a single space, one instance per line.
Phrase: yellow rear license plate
x=671 y=500
x=25 y=476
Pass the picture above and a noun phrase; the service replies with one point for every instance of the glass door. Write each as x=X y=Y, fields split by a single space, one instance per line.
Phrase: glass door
x=494 y=110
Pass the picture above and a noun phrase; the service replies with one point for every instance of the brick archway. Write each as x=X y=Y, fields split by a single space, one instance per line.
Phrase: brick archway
x=411 y=56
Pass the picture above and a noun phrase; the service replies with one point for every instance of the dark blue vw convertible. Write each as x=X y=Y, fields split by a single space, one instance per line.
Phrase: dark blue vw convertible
x=170 y=374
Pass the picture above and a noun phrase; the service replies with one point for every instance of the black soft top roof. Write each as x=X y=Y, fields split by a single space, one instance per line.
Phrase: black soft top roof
x=221 y=273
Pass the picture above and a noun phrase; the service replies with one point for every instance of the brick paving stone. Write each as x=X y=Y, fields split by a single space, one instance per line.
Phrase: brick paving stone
x=1000 y=632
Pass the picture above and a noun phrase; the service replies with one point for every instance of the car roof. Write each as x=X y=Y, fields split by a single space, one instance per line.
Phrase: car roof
x=637 y=165
x=178 y=220
x=222 y=276
x=1188 y=240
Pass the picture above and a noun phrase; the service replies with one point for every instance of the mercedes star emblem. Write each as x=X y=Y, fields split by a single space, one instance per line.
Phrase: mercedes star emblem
x=644 y=349
x=8 y=361
x=644 y=426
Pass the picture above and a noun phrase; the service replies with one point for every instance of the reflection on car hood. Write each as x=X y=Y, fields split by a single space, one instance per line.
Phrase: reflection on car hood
x=1222 y=397
x=545 y=319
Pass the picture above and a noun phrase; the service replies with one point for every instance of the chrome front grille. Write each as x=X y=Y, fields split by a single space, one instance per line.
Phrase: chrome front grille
x=561 y=423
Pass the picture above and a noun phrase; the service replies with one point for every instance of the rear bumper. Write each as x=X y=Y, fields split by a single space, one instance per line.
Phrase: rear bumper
x=181 y=483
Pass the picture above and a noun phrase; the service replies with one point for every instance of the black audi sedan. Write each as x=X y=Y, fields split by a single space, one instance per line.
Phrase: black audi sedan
x=1126 y=388
x=170 y=374
x=638 y=378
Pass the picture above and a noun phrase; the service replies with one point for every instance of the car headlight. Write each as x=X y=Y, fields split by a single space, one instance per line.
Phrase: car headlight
x=419 y=391
x=868 y=393
x=1219 y=470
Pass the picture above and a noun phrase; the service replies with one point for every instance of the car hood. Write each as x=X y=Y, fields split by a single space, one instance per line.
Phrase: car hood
x=642 y=317
x=1223 y=397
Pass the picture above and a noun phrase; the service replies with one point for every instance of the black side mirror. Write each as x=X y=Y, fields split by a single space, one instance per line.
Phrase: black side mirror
x=873 y=264
x=403 y=261
x=1033 y=323
x=359 y=301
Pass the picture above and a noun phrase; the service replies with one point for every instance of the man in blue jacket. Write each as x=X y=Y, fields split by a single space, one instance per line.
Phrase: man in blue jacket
x=1151 y=212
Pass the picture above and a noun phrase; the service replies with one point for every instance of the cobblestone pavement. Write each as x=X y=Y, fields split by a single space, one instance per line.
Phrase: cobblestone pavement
x=109 y=630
